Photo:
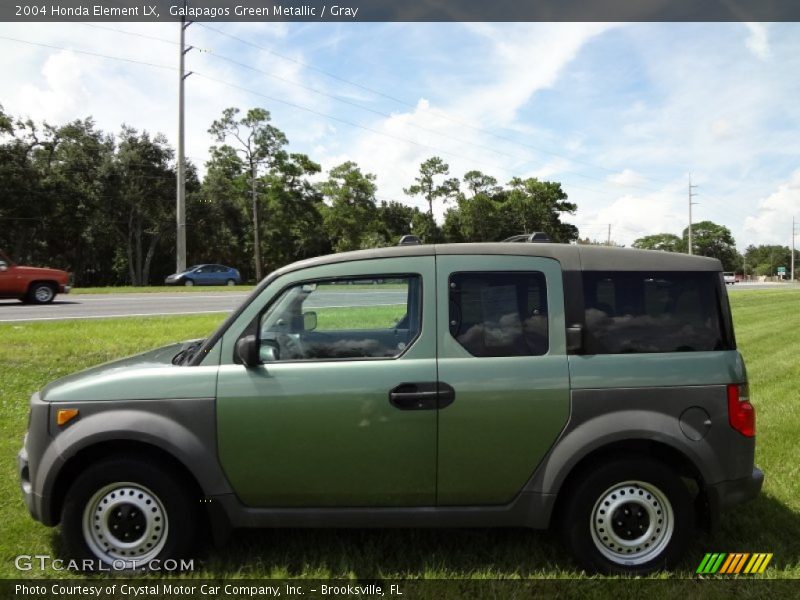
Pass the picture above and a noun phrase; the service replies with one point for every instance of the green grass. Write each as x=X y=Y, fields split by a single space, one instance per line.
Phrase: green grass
x=362 y=317
x=767 y=326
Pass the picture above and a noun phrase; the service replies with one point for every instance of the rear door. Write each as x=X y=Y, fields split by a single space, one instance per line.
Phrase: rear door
x=502 y=348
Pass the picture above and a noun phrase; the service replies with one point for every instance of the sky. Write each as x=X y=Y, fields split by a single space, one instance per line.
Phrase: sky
x=620 y=114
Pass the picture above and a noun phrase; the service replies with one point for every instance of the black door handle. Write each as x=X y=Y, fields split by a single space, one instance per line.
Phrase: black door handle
x=426 y=395
x=414 y=396
x=447 y=395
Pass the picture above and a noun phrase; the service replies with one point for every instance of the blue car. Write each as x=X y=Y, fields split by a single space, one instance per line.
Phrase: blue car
x=205 y=275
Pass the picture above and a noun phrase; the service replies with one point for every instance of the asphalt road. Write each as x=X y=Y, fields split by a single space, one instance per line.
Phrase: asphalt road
x=99 y=306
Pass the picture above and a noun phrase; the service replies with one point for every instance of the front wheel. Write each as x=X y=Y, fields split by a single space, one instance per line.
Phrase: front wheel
x=124 y=513
x=629 y=516
x=41 y=293
x=188 y=282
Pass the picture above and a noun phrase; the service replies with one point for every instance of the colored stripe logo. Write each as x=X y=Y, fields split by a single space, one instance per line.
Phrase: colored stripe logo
x=735 y=563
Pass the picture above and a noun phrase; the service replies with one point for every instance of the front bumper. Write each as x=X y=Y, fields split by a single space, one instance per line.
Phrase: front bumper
x=25 y=481
x=65 y=289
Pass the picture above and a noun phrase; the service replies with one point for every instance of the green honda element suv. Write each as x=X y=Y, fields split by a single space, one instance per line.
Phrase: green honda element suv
x=595 y=390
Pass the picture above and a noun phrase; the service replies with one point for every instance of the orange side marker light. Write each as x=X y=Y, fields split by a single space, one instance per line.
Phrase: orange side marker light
x=65 y=415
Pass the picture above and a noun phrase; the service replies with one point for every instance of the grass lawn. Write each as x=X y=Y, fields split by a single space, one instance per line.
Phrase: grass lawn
x=768 y=333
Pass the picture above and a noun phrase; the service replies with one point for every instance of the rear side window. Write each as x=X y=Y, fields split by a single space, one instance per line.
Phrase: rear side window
x=499 y=314
x=638 y=312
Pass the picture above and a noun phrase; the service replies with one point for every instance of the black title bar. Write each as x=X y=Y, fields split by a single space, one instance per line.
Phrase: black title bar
x=400 y=10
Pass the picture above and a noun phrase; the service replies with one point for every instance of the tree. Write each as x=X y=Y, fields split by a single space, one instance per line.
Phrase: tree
x=144 y=189
x=710 y=239
x=352 y=209
x=295 y=230
x=668 y=242
x=261 y=146
x=393 y=220
x=531 y=205
x=477 y=219
x=6 y=125
x=479 y=183
x=765 y=259
x=430 y=172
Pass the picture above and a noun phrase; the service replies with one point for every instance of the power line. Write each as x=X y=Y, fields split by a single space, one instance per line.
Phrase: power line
x=141 y=35
x=321 y=114
x=360 y=106
x=88 y=53
x=406 y=103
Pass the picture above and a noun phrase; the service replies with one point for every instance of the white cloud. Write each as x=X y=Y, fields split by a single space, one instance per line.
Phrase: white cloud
x=632 y=215
x=773 y=223
x=647 y=101
x=758 y=40
x=627 y=177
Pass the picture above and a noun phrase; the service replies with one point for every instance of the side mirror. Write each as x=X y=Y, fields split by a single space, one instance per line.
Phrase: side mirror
x=309 y=321
x=247 y=351
x=3 y=266
x=574 y=339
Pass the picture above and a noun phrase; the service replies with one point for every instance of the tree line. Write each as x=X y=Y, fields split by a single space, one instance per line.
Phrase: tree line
x=102 y=205
x=711 y=239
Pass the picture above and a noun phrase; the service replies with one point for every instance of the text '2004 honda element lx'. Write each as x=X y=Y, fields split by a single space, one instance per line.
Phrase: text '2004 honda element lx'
x=595 y=390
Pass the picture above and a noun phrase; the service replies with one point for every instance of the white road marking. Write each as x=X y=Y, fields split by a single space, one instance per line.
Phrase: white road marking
x=162 y=314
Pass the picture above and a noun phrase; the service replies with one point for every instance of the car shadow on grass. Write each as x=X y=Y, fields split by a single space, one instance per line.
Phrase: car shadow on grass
x=763 y=525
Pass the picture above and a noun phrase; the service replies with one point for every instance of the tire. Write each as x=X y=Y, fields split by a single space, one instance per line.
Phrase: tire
x=230 y=283
x=156 y=502
x=41 y=293
x=657 y=502
x=188 y=282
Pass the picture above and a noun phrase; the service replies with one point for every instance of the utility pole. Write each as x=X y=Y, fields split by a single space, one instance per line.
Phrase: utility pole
x=608 y=240
x=180 y=212
x=691 y=195
x=256 y=224
x=794 y=233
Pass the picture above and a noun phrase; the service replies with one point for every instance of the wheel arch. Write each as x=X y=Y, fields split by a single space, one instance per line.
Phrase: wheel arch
x=655 y=449
x=182 y=436
x=126 y=448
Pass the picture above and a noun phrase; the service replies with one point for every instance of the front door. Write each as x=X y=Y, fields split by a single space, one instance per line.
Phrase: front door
x=502 y=349
x=338 y=413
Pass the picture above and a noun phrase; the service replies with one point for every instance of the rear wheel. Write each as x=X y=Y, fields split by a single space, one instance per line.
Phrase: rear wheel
x=629 y=516
x=230 y=282
x=41 y=293
x=125 y=513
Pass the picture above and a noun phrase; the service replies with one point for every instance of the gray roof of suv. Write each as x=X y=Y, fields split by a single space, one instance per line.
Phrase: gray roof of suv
x=571 y=257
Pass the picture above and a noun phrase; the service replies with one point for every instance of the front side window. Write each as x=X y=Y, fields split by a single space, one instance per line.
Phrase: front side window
x=342 y=319
x=638 y=312
x=499 y=314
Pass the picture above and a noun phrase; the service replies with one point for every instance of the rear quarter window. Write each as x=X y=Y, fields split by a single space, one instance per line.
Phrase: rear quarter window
x=645 y=312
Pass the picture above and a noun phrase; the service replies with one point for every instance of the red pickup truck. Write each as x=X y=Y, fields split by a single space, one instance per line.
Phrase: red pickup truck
x=31 y=284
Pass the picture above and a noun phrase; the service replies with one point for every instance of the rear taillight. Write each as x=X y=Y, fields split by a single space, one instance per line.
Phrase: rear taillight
x=741 y=414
